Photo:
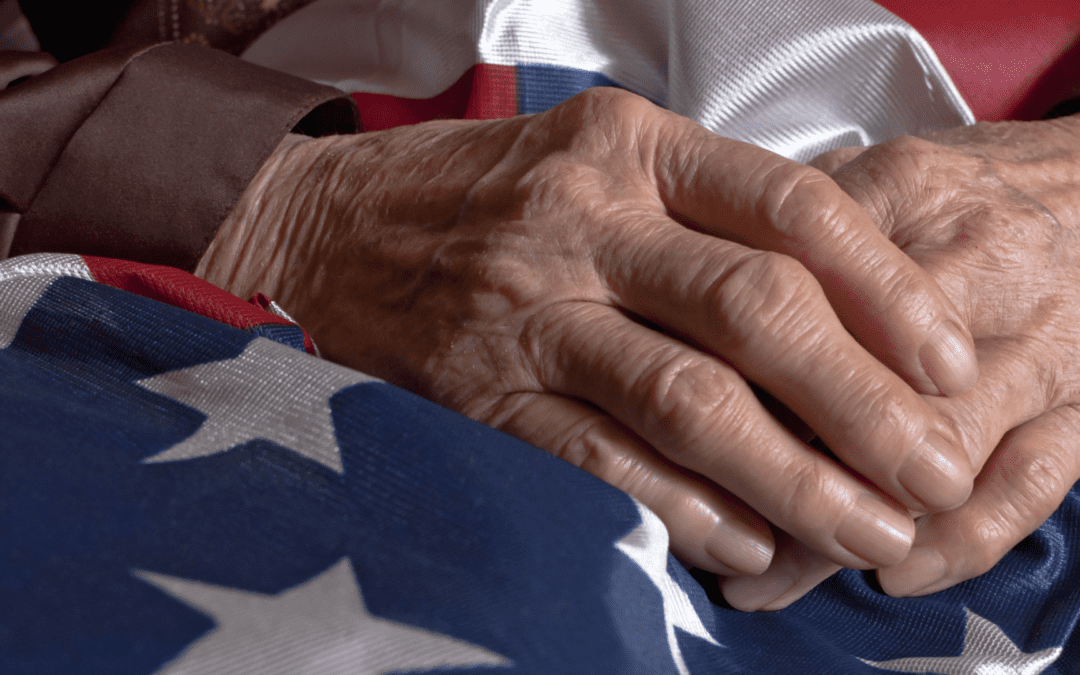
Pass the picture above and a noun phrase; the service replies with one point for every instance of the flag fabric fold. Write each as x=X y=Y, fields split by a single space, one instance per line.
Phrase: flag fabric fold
x=798 y=78
x=178 y=495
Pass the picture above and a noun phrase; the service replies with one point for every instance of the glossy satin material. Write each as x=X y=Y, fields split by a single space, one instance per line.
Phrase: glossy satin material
x=798 y=77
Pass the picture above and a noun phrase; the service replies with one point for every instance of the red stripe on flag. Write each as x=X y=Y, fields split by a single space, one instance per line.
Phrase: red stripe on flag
x=483 y=92
x=180 y=289
x=494 y=93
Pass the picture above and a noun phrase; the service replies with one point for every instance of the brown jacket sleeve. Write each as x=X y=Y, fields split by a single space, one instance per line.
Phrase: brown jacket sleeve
x=140 y=153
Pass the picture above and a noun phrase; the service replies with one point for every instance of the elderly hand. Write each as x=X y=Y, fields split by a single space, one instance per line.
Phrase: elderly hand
x=993 y=213
x=599 y=280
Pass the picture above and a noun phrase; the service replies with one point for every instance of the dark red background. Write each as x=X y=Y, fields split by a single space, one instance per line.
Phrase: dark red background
x=1011 y=59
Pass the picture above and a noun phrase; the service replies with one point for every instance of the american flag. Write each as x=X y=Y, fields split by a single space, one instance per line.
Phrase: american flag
x=182 y=495
x=186 y=488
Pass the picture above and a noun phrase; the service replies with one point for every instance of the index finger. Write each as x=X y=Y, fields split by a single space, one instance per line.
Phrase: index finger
x=893 y=308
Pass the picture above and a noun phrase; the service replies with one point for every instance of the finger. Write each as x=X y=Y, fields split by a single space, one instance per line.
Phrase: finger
x=828 y=162
x=701 y=415
x=1023 y=483
x=766 y=315
x=709 y=527
x=794 y=572
x=1008 y=394
x=740 y=192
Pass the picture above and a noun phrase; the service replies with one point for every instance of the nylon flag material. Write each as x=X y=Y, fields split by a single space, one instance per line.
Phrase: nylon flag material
x=178 y=495
x=798 y=77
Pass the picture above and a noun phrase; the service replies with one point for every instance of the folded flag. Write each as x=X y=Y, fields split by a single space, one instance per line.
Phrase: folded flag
x=178 y=495
x=798 y=77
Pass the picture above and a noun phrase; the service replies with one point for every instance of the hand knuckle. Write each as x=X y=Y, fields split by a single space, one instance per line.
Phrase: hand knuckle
x=906 y=292
x=897 y=167
x=557 y=185
x=611 y=105
x=765 y=294
x=989 y=539
x=908 y=155
x=904 y=146
x=606 y=95
x=877 y=418
x=627 y=472
x=555 y=335
x=807 y=485
x=588 y=446
x=1031 y=487
x=625 y=106
x=687 y=398
x=1037 y=484
x=795 y=198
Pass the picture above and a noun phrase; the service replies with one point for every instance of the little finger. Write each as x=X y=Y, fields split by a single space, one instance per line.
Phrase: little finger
x=794 y=572
x=709 y=528
x=702 y=415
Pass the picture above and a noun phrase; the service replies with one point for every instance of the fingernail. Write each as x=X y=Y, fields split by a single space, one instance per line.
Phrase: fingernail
x=739 y=550
x=918 y=574
x=936 y=481
x=750 y=594
x=876 y=532
x=949 y=360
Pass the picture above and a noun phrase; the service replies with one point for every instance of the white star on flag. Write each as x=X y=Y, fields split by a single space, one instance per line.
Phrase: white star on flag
x=647 y=546
x=292 y=411
x=320 y=627
x=987 y=651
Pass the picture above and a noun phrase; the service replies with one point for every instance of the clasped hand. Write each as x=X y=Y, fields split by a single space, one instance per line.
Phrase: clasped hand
x=991 y=212
x=604 y=280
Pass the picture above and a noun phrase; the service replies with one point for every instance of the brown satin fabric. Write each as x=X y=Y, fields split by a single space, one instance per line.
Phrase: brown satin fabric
x=142 y=153
x=15 y=65
x=39 y=115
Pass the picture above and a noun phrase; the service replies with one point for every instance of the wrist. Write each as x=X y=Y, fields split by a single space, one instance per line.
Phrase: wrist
x=247 y=253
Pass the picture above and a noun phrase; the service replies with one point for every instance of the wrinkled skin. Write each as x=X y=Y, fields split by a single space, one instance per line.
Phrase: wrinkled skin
x=599 y=280
x=992 y=212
